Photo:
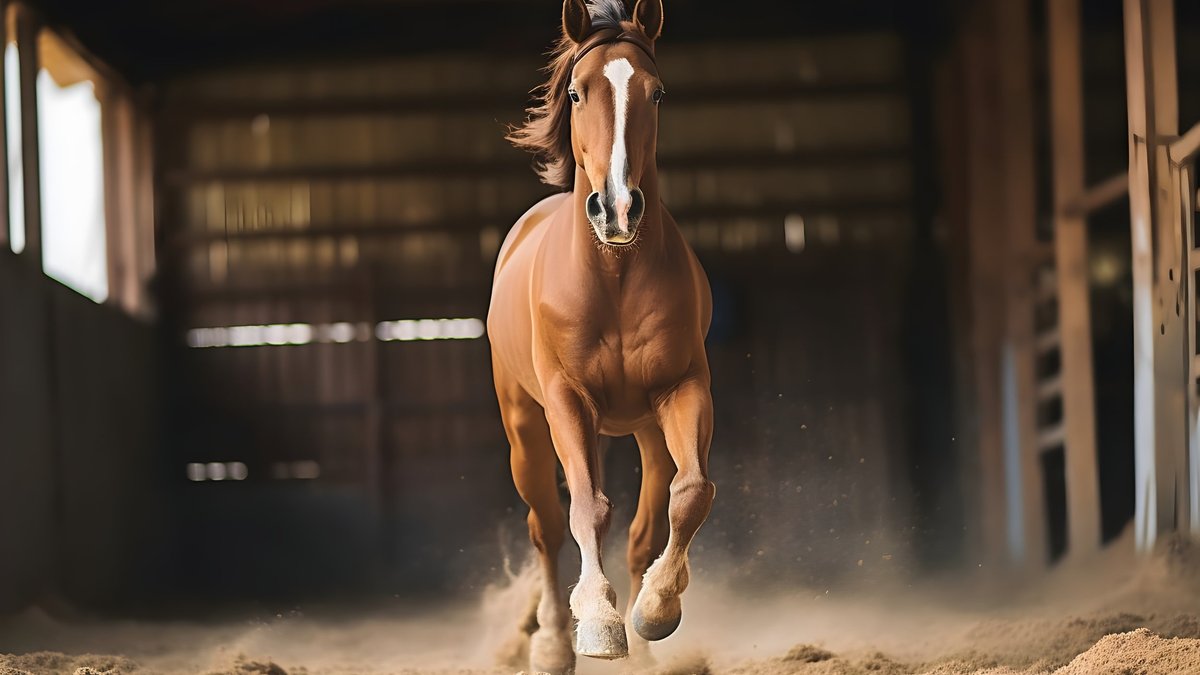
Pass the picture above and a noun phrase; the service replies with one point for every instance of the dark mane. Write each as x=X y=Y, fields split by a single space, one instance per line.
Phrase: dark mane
x=546 y=133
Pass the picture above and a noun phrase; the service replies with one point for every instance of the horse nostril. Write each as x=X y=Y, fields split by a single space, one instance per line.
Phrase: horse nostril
x=596 y=212
x=638 y=207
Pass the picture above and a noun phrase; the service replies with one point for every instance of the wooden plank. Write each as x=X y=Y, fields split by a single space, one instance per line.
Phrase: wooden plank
x=473 y=225
x=985 y=237
x=1051 y=438
x=514 y=163
x=1071 y=265
x=124 y=284
x=1187 y=215
x=27 y=25
x=1023 y=468
x=1187 y=146
x=1048 y=340
x=1098 y=196
x=1159 y=387
x=1050 y=388
x=186 y=111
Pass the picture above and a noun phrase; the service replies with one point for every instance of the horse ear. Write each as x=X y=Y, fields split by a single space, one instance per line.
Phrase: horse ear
x=577 y=23
x=648 y=15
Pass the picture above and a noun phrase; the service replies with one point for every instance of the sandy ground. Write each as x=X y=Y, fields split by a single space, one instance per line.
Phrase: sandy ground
x=1116 y=614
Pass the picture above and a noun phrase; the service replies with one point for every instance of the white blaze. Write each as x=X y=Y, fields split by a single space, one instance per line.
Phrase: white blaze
x=618 y=71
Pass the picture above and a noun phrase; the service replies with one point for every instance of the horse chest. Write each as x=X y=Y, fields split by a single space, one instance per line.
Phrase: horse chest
x=622 y=363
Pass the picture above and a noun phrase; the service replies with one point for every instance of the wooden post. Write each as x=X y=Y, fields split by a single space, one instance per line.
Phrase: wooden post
x=985 y=237
x=1071 y=265
x=1022 y=453
x=27 y=27
x=1160 y=370
x=1186 y=203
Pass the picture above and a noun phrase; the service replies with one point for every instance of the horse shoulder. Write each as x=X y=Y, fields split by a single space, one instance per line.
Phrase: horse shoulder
x=528 y=223
x=702 y=289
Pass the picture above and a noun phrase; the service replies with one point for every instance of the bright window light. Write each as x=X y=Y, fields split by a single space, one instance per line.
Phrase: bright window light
x=72 y=163
x=16 y=183
x=278 y=335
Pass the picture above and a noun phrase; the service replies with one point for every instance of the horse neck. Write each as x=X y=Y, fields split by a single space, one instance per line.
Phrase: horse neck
x=651 y=236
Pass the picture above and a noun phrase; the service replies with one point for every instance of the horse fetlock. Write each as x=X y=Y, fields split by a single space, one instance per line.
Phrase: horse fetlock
x=594 y=599
x=656 y=616
x=668 y=576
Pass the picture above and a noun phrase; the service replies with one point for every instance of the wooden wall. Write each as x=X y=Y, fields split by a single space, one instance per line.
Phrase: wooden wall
x=380 y=190
x=82 y=513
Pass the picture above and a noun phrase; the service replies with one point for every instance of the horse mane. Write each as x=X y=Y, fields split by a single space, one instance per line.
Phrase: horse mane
x=546 y=132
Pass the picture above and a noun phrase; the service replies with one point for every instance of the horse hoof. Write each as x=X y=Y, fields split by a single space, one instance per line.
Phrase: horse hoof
x=653 y=631
x=601 y=640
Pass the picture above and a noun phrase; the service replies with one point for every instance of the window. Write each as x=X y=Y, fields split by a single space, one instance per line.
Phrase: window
x=12 y=108
x=70 y=136
x=95 y=207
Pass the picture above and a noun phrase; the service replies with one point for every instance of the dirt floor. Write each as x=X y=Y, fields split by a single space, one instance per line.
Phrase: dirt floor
x=1116 y=614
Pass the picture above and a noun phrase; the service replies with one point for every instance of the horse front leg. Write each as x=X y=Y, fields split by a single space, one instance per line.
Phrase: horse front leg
x=599 y=631
x=686 y=418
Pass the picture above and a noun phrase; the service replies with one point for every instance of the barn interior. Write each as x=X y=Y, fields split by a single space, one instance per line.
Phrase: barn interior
x=246 y=254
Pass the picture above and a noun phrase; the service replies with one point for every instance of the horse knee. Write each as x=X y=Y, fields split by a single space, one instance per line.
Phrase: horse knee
x=590 y=514
x=691 y=500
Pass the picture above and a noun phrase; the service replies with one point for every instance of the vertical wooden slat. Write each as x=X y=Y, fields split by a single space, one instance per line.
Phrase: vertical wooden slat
x=27 y=26
x=1025 y=500
x=1071 y=264
x=144 y=213
x=1186 y=203
x=1159 y=390
x=985 y=235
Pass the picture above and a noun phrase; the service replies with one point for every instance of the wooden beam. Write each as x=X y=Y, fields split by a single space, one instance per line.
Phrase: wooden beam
x=1186 y=147
x=475 y=224
x=1158 y=259
x=1023 y=467
x=1187 y=204
x=27 y=26
x=470 y=104
x=1098 y=196
x=518 y=164
x=985 y=237
x=1071 y=272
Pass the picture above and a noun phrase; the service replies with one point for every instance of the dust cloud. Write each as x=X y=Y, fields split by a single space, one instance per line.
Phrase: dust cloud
x=1116 y=613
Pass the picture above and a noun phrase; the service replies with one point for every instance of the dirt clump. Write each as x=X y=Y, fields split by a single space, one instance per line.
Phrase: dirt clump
x=53 y=663
x=807 y=654
x=1141 y=652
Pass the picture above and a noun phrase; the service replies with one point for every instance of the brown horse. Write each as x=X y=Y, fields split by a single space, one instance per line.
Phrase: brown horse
x=597 y=323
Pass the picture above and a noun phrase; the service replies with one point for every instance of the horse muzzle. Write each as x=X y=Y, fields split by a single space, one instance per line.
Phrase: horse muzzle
x=603 y=218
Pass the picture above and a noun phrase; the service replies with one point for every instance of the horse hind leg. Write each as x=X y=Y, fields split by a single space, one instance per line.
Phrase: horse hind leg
x=648 y=531
x=533 y=468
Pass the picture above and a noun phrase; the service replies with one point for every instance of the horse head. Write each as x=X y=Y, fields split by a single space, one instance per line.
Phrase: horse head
x=614 y=92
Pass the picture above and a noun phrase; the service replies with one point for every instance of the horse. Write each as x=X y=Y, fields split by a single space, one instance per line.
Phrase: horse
x=597 y=322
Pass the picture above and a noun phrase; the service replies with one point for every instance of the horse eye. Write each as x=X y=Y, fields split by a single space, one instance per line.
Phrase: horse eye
x=574 y=95
x=658 y=95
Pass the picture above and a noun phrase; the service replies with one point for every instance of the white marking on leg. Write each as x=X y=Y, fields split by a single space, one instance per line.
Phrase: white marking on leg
x=618 y=71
